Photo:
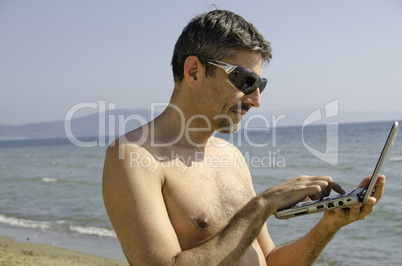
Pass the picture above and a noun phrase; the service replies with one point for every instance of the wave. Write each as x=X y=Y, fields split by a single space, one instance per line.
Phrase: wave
x=396 y=159
x=26 y=223
x=59 y=225
x=90 y=230
x=49 y=180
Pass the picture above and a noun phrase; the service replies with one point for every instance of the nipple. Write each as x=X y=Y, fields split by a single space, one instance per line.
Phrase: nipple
x=203 y=221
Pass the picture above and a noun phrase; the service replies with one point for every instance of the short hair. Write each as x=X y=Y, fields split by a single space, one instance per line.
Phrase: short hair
x=215 y=35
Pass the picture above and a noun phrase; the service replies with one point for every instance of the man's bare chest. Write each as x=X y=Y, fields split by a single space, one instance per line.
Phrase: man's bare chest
x=201 y=200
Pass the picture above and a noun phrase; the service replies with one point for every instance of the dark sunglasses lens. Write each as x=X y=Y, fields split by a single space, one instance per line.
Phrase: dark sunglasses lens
x=263 y=85
x=242 y=79
x=247 y=86
x=247 y=81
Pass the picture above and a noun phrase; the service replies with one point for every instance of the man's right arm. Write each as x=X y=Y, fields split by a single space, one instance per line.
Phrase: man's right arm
x=135 y=205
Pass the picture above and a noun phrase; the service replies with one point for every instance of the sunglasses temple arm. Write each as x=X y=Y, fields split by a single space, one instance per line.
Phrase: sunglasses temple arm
x=227 y=67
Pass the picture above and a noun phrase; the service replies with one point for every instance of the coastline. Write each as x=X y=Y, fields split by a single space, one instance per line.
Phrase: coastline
x=21 y=253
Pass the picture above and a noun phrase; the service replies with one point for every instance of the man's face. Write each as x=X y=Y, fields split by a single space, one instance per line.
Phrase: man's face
x=228 y=103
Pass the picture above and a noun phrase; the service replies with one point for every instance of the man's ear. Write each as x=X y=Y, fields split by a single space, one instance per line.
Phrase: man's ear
x=192 y=68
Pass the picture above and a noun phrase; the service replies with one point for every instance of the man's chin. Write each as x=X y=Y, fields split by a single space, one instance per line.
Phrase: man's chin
x=229 y=130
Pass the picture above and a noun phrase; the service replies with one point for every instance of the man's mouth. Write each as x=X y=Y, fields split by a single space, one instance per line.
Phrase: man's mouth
x=240 y=109
x=240 y=113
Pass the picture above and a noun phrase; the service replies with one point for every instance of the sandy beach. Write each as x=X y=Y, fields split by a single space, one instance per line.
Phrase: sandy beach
x=18 y=253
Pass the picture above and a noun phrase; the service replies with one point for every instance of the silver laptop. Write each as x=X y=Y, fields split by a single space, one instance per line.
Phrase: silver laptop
x=351 y=198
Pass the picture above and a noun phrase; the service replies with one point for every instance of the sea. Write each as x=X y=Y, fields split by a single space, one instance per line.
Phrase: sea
x=51 y=189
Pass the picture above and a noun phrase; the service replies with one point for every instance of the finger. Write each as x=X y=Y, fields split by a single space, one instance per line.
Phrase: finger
x=372 y=201
x=330 y=185
x=318 y=186
x=326 y=185
x=367 y=208
x=319 y=190
x=337 y=188
x=306 y=199
x=327 y=190
x=365 y=182
x=379 y=190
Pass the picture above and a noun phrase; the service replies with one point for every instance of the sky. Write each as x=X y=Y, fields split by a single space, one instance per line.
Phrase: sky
x=56 y=55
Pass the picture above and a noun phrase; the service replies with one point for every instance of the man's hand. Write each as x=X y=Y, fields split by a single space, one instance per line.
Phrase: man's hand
x=307 y=249
x=295 y=190
x=341 y=217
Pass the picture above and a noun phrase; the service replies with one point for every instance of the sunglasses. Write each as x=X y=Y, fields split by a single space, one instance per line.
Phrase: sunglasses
x=244 y=79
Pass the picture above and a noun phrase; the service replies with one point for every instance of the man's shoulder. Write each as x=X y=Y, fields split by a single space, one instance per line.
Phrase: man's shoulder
x=136 y=139
x=128 y=157
x=133 y=143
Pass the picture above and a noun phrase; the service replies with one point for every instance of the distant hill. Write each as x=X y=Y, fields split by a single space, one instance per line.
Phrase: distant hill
x=116 y=122
x=119 y=121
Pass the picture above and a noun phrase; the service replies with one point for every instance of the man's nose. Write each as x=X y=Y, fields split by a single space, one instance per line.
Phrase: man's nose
x=253 y=99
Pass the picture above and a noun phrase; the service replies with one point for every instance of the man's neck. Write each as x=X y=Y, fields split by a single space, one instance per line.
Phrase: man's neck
x=182 y=127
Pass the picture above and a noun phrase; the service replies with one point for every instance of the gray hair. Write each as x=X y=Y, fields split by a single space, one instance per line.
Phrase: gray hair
x=215 y=35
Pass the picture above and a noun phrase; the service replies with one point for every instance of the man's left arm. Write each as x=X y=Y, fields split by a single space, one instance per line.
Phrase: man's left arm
x=307 y=249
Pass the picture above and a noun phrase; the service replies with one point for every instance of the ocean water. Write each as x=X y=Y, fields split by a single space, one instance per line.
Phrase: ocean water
x=50 y=190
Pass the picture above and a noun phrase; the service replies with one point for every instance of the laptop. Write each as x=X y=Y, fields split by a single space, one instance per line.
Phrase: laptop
x=348 y=199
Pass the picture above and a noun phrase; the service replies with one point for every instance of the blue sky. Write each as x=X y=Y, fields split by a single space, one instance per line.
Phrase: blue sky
x=56 y=54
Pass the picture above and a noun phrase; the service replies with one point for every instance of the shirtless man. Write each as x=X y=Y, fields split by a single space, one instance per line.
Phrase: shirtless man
x=176 y=195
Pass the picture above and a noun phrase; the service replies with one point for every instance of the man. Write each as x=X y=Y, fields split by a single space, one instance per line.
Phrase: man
x=173 y=192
